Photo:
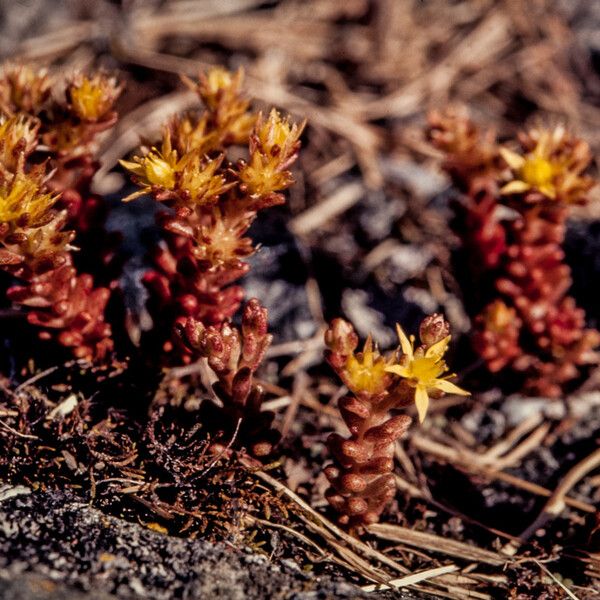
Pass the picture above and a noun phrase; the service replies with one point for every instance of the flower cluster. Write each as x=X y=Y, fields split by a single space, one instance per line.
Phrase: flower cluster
x=470 y=154
x=515 y=207
x=213 y=202
x=41 y=180
x=70 y=119
x=361 y=481
x=23 y=89
x=91 y=99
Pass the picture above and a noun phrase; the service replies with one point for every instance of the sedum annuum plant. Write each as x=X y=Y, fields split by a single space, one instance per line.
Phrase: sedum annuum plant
x=213 y=199
x=362 y=483
x=47 y=142
x=516 y=199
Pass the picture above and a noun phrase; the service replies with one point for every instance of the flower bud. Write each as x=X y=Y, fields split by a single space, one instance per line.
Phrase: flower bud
x=433 y=329
x=254 y=319
x=341 y=338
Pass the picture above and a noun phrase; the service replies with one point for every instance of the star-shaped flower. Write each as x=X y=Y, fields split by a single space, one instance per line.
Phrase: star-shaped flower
x=423 y=370
x=191 y=178
x=533 y=171
x=553 y=166
x=365 y=372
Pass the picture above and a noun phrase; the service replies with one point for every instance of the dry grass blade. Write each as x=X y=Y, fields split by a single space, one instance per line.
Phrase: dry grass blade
x=498 y=456
x=332 y=169
x=465 y=461
x=530 y=443
x=316 y=216
x=358 y=564
x=328 y=525
x=36 y=377
x=592 y=565
x=297 y=534
x=306 y=37
x=435 y=543
x=489 y=40
x=567 y=591
x=359 y=555
x=56 y=43
x=412 y=579
x=210 y=8
x=300 y=387
x=557 y=501
x=534 y=488
x=17 y=433
x=504 y=445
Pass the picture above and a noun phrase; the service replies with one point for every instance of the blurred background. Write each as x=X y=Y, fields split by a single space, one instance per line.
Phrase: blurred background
x=366 y=232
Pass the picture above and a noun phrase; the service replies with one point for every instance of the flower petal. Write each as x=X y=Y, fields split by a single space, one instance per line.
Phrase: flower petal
x=515 y=187
x=167 y=147
x=450 y=388
x=134 y=167
x=513 y=160
x=421 y=401
x=544 y=144
x=405 y=344
x=398 y=370
x=438 y=349
x=548 y=190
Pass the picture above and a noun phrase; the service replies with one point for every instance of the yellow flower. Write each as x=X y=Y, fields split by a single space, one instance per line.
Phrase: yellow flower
x=423 y=371
x=23 y=88
x=276 y=136
x=191 y=178
x=18 y=137
x=553 y=167
x=219 y=240
x=157 y=168
x=198 y=179
x=220 y=91
x=262 y=177
x=159 y=171
x=219 y=84
x=22 y=198
x=533 y=171
x=366 y=371
x=273 y=147
x=193 y=134
x=91 y=98
x=498 y=316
